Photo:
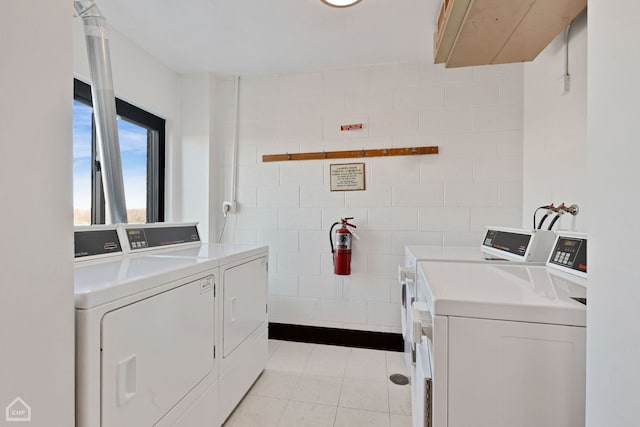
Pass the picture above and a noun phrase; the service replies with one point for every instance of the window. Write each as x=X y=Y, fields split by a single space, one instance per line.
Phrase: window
x=141 y=137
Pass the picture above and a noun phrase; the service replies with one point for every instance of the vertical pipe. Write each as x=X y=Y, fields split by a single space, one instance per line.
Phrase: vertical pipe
x=104 y=107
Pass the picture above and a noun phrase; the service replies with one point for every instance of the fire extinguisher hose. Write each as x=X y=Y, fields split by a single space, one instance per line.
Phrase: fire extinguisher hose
x=330 y=238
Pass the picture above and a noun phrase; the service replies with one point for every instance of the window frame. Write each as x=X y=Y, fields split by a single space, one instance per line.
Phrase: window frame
x=156 y=161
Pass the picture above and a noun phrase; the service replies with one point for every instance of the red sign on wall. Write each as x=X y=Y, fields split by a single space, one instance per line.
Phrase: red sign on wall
x=351 y=127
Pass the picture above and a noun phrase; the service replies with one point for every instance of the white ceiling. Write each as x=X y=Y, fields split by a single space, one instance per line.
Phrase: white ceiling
x=250 y=37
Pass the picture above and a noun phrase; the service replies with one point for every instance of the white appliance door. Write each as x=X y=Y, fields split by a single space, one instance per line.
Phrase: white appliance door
x=405 y=274
x=154 y=352
x=515 y=374
x=421 y=381
x=410 y=289
x=245 y=302
x=421 y=388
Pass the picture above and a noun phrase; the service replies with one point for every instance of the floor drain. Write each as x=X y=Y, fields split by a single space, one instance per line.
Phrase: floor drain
x=399 y=379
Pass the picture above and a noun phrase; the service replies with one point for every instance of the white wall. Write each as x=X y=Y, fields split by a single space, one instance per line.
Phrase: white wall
x=195 y=141
x=36 y=271
x=555 y=130
x=206 y=104
x=613 y=332
x=473 y=114
x=141 y=80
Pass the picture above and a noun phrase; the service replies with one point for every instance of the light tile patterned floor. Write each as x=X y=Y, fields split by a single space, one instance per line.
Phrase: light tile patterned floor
x=320 y=385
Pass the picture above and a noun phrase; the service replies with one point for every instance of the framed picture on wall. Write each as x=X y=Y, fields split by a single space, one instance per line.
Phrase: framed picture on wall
x=347 y=177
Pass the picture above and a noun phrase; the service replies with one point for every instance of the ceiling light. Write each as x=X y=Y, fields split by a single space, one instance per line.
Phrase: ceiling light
x=340 y=3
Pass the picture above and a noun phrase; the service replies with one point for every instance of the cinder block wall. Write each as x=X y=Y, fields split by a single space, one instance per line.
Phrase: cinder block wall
x=475 y=116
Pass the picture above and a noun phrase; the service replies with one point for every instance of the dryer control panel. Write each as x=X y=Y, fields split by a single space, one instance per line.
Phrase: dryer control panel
x=153 y=237
x=571 y=253
x=95 y=242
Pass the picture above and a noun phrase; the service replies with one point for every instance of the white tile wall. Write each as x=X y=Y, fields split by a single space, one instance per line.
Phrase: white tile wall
x=428 y=194
x=283 y=284
x=444 y=219
x=314 y=241
x=257 y=132
x=315 y=196
x=471 y=194
x=461 y=238
x=396 y=76
x=299 y=263
x=329 y=287
x=364 y=103
x=510 y=194
x=384 y=265
x=301 y=173
x=510 y=142
x=400 y=239
x=480 y=217
x=450 y=120
x=473 y=114
x=292 y=309
x=299 y=219
x=320 y=105
x=362 y=287
x=348 y=81
x=374 y=242
x=394 y=123
x=331 y=215
x=469 y=145
x=279 y=240
x=344 y=311
x=281 y=196
x=416 y=99
x=260 y=174
x=393 y=218
x=498 y=169
x=379 y=195
x=300 y=130
x=446 y=170
x=498 y=117
x=394 y=170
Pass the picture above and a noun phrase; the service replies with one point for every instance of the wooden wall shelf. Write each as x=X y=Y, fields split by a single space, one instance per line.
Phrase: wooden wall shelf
x=351 y=154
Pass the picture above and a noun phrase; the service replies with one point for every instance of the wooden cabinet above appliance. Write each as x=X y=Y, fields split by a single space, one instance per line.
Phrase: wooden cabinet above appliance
x=481 y=32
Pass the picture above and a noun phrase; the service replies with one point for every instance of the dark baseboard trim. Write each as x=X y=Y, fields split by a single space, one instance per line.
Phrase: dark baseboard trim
x=334 y=336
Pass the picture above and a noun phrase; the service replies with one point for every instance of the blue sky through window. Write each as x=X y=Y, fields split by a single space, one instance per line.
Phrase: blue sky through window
x=133 y=149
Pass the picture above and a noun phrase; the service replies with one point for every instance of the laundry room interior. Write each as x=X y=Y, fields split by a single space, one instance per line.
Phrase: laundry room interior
x=314 y=188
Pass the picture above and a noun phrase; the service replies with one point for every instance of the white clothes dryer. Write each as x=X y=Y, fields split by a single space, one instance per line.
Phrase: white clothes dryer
x=145 y=330
x=241 y=300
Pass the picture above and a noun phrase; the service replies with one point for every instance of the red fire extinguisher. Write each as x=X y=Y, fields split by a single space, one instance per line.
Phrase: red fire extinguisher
x=342 y=250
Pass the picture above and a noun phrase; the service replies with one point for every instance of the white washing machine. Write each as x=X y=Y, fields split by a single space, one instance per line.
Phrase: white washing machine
x=502 y=345
x=241 y=303
x=145 y=330
x=499 y=245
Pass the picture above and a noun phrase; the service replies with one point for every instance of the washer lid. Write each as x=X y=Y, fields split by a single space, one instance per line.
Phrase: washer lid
x=502 y=292
x=414 y=254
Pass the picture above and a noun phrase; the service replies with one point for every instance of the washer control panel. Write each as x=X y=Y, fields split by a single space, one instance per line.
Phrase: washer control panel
x=571 y=253
x=515 y=243
x=152 y=237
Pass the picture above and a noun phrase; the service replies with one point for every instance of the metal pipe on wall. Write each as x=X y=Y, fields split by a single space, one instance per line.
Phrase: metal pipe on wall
x=104 y=107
